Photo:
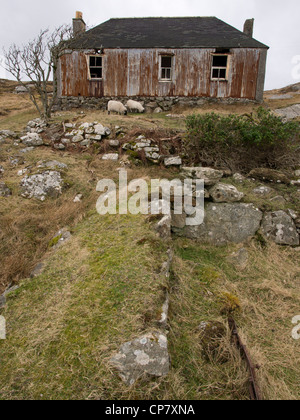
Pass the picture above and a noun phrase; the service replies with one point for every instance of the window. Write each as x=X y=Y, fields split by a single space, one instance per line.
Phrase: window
x=95 y=67
x=219 y=67
x=166 y=68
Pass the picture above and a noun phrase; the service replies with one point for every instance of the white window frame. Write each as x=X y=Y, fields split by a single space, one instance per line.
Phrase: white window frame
x=98 y=67
x=161 y=79
x=220 y=67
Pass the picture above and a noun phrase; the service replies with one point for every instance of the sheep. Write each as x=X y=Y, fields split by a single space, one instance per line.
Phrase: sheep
x=134 y=106
x=115 y=106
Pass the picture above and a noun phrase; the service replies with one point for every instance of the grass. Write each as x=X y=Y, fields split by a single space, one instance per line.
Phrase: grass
x=103 y=288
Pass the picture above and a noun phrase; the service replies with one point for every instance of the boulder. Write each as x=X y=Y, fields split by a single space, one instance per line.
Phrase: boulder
x=77 y=139
x=225 y=193
x=4 y=190
x=270 y=175
x=40 y=186
x=209 y=175
x=225 y=223
x=290 y=112
x=239 y=178
x=145 y=356
x=280 y=228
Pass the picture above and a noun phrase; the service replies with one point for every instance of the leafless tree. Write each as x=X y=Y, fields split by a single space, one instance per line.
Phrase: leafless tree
x=37 y=61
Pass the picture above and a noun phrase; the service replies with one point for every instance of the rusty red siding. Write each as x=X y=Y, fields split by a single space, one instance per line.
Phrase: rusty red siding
x=135 y=72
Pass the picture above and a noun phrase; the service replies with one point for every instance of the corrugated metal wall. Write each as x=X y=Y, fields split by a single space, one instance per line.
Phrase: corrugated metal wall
x=136 y=73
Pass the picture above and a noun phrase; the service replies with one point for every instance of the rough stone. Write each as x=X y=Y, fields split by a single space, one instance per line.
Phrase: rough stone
x=4 y=190
x=224 y=193
x=144 y=356
x=278 y=200
x=270 y=175
x=240 y=258
x=280 y=228
x=111 y=156
x=32 y=140
x=37 y=271
x=297 y=173
x=225 y=223
x=163 y=227
x=1 y=170
x=2 y=302
x=114 y=143
x=290 y=112
x=262 y=191
x=60 y=238
x=53 y=164
x=209 y=175
x=239 y=178
x=77 y=139
x=40 y=186
x=173 y=161
x=178 y=220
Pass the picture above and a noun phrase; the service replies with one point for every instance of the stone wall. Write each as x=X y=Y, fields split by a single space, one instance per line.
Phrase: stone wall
x=150 y=103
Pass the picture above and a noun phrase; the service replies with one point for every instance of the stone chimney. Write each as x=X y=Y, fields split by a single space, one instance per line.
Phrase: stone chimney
x=248 y=27
x=79 y=26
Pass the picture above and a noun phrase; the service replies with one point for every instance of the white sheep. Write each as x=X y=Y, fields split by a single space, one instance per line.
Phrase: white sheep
x=115 y=106
x=134 y=106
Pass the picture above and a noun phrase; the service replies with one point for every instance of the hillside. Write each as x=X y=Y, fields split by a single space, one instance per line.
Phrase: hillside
x=80 y=285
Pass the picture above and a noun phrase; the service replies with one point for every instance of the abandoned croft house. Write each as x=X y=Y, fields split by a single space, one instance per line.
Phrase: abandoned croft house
x=189 y=57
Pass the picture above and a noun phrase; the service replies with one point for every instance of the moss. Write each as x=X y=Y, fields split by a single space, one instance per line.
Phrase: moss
x=54 y=241
x=230 y=304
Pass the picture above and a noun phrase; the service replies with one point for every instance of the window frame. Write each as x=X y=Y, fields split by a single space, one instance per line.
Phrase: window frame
x=89 y=56
x=220 y=79
x=161 y=68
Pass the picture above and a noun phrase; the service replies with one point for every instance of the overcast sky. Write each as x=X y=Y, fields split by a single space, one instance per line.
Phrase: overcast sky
x=276 y=23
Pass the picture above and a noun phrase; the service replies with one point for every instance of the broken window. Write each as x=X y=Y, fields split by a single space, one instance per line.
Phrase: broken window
x=219 y=67
x=95 y=67
x=166 y=68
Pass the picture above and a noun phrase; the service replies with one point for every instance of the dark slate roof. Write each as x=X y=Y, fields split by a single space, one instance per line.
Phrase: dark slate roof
x=183 y=32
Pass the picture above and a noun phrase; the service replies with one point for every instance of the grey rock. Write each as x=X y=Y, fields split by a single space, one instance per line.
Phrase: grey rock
x=270 y=175
x=209 y=175
x=114 y=143
x=240 y=258
x=102 y=131
x=225 y=223
x=40 y=186
x=27 y=150
x=158 y=110
x=173 y=161
x=8 y=133
x=1 y=170
x=53 y=164
x=144 y=356
x=297 y=173
x=178 y=220
x=111 y=156
x=38 y=270
x=278 y=200
x=2 y=302
x=225 y=193
x=59 y=146
x=262 y=191
x=77 y=139
x=280 y=228
x=32 y=140
x=290 y=112
x=61 y=237
x=4 y=190
x=85 y=143
x=239 y=178
x=163 y=227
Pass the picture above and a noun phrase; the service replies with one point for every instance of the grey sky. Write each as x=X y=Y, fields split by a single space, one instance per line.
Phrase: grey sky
x=276 y=23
